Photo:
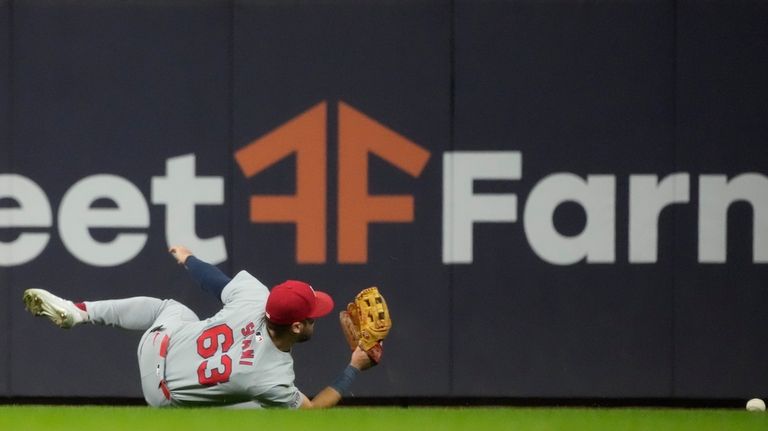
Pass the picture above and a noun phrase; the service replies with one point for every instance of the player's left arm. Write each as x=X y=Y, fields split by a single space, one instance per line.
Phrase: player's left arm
x=331 y=395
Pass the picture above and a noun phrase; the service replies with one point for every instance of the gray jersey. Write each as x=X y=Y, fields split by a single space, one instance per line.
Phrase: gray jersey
x=230 y=358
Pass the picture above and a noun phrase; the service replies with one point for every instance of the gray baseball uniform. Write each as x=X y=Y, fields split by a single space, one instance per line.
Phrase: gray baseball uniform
x=227 y=359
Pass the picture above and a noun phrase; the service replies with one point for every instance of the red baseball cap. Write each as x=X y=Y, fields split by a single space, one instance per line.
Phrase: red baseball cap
x=294 y=301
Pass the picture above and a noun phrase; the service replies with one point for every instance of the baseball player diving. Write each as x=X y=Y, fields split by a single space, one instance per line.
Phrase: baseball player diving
x=239 y=357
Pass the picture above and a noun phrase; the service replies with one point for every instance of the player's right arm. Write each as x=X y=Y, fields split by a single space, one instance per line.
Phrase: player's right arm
x=331 y=395
x=208 y=276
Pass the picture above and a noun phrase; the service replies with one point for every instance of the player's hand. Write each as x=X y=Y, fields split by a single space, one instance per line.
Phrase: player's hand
x=180 y=253
x=360 y=360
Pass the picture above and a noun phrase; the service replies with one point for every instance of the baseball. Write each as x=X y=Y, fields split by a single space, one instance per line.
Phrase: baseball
x=756 y=405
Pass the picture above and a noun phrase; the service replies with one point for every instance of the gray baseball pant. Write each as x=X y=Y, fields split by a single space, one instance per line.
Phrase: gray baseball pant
x=157 y=318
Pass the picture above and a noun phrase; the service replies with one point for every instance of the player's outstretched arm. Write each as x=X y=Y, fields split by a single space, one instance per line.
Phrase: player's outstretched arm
x=331 y=395
x=210 y=278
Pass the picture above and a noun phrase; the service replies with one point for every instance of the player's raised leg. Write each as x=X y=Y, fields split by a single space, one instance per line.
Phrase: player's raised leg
x=63 y=313
x=138 y=313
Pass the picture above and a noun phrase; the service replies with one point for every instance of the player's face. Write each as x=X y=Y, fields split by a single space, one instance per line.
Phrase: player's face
x=307 y=329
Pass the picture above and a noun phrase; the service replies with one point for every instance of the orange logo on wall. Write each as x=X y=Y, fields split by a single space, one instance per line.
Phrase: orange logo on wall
x=358 y=136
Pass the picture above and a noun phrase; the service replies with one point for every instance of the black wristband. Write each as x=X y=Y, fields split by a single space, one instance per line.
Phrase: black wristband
x=345 y=379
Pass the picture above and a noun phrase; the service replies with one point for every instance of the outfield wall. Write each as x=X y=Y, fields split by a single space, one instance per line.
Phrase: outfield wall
x=558 y=199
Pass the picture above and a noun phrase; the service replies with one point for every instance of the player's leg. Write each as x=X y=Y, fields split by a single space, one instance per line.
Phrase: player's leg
x=137 y=313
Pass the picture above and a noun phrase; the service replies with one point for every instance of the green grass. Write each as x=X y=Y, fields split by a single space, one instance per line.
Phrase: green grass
x=87 y=418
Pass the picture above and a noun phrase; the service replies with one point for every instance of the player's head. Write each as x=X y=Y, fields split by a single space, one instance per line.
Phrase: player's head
x=293 y=306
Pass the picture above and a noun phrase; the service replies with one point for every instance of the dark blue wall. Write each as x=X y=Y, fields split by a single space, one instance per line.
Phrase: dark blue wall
x=611 y=88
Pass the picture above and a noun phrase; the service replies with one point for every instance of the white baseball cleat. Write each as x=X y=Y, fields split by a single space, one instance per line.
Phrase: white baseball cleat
x=62 y=312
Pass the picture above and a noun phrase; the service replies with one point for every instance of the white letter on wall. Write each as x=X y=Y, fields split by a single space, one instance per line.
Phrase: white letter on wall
x=33 y=211
x=181 y=190
x=647 y=198
x=716 y=194
x=462 y=208
x=597 y=196
x=76 y=217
